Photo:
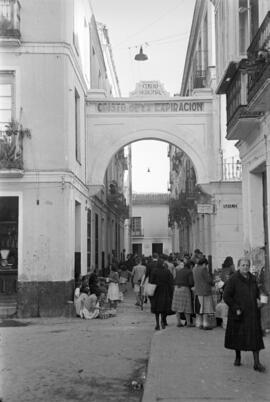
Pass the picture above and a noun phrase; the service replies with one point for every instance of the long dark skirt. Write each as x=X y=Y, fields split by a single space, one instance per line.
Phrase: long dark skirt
x=241 y=335
x=161 y=302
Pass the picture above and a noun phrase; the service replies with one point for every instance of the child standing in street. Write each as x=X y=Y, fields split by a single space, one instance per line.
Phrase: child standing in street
x=113 y=295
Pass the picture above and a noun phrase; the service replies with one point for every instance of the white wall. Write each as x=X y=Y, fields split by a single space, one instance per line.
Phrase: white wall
x=155 y=227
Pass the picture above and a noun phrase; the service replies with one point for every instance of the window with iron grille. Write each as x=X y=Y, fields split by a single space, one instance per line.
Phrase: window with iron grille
x=89 y=227
x=77 y=127
x=136 y=224
x=96 y=241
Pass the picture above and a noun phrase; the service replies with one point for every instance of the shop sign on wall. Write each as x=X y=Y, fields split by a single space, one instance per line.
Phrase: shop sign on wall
x=205 y=208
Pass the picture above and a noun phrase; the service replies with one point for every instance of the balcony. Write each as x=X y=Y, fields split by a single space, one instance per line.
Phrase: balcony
x=10 y=23
x=137 y=233
x=259 y=76
x=241 y=121
x=11 y=150
x=199 y=79
x=117 y=201
x=232 y=171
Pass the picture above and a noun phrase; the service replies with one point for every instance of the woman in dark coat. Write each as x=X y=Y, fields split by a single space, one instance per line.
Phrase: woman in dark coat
x=243 y=330
x=162 y=300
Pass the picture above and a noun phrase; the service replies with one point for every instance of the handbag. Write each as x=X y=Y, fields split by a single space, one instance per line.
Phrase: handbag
x=150 y=289
x=209 y=321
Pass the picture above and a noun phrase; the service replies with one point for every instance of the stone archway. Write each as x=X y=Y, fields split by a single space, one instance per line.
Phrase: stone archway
x=114 y=123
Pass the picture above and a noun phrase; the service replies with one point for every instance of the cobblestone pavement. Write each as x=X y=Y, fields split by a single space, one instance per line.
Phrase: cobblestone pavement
x=70 y=359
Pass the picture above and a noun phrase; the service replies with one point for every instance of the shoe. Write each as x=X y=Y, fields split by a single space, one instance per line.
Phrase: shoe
x=163 y=325
x=259 y=367
x=179 y=325
x=190 y=325
x=157 y=327
x=207 y=328
x=237 y=362
x=137 y=304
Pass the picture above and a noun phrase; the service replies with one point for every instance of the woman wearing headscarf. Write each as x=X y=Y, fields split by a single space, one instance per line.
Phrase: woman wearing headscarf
x=161 y=301
x=243 y=330
x=203 y=289
x=182 y=302
x=227 y=269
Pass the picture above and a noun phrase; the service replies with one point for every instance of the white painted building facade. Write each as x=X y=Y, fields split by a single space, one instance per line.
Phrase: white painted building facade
x=243 y=68
x=52 y=224
x=210 y=217
x=150 y=232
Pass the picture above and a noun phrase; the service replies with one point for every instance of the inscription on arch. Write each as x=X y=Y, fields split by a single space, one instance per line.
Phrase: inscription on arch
x=148 y=107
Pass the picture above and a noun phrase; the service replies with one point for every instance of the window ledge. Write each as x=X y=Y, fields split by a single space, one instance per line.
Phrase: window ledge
x=7 y=173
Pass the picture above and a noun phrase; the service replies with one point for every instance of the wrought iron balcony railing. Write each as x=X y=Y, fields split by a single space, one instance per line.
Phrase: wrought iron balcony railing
x=258 y=53
x=235 y=86
x=118 y=202
x=10 y=19
x=232 y=171
x=199 y=79
x=137 y=233
x=11 y=146
x=261 y=39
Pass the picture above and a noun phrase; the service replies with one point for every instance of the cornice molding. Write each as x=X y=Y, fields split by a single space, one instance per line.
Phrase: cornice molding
x=51 y=48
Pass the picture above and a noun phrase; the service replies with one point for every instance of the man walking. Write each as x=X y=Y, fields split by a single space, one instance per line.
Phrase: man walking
x=137 y=274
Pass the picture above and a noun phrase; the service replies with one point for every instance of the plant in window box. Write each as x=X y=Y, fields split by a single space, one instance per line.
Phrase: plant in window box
x=7 y=28
x=11 y=145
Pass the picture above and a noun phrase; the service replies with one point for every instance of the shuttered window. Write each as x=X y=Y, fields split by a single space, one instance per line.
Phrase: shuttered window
x=7 y=97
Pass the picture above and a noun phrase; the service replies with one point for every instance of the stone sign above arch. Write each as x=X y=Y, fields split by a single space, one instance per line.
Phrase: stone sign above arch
x=149 y=88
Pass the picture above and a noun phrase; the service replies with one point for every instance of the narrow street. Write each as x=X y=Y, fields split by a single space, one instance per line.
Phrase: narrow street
x=61 y=359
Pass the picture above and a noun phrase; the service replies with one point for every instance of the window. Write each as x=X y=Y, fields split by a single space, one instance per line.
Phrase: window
x=96 y=241
x=136 y=225
x=248 y=23
x=77 y=127
x=89 y=227
x=137 y=248
x=157 y=248
x=9 y=218
x=254 y=17
x=7 y=98
x=243 y=26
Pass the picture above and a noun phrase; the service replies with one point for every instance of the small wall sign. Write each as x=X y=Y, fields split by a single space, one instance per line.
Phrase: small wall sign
x=230 y=206
x=205 y=208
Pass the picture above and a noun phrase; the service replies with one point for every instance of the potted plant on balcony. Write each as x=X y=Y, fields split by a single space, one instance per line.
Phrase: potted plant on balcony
x=7 y=28
x=11 y=145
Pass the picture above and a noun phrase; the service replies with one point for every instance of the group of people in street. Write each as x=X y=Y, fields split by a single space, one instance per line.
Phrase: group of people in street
x=185 y=288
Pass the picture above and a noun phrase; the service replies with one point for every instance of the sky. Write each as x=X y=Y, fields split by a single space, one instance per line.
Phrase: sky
x=162 y=28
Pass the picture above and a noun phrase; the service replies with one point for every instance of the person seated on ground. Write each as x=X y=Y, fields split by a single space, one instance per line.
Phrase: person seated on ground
x=80 y=295
x=84 y=288
x=93 y=284
x=87 y=303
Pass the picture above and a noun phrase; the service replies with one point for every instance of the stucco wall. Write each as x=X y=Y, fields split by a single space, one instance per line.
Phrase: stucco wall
x=155 y=227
